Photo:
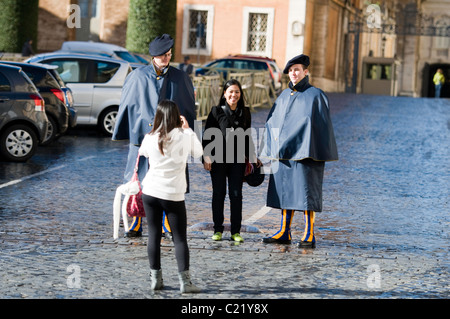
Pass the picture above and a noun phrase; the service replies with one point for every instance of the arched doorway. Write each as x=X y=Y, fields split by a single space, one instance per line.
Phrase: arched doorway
x=428 y=85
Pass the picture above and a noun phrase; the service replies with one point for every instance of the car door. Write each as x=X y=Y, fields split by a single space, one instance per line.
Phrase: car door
x=77 y=76
x=107 y=91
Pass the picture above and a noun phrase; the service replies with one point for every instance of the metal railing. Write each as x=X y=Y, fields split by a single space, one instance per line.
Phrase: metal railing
x=256 y=85
x=207 y=93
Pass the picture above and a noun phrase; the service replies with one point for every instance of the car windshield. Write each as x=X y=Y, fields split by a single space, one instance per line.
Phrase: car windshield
x=41 y=78
x=239 y=64
x=30 y=85
x=250 y=65
x=220 y=64
x=5 y=86
x=124 y=55
x=35 y=75
x=141 y=59
x=58 y=78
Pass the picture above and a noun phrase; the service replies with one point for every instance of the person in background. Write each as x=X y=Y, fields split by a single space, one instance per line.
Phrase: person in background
x=27 y=48
x=438 y=80
x=142 y=90
x=299 y=139
x=167 y=148
x=187 y=66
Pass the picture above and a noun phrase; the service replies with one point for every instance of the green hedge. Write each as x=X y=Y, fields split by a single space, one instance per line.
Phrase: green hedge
x=148 y=19
x=18 y=22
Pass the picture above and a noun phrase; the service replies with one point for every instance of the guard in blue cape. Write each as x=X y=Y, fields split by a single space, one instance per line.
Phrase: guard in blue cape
x=142 y=90
x=299 y=139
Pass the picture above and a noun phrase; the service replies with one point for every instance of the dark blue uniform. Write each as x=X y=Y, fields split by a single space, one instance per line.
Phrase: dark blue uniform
x=299 y=139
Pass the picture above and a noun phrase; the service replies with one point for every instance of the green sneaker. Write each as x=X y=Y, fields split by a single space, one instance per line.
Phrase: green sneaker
x=237 y=237
x=217 y=236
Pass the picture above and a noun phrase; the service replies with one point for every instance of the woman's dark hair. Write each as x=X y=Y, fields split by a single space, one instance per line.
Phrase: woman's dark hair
x=167 y=118
x=222 y=100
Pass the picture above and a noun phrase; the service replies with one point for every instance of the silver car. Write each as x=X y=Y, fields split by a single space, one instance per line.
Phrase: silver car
x=96 y=83
x=105 y=49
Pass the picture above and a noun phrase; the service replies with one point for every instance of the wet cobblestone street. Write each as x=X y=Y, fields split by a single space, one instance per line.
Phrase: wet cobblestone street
x=383 y=232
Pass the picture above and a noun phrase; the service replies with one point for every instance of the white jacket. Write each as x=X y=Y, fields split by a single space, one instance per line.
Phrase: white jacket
x=166 y=177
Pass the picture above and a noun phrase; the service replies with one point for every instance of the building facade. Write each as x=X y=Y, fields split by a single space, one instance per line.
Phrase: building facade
x=100 y=20
x=347 y=40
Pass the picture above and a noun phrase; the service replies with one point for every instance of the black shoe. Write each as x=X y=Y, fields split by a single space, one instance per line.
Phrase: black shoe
x=271 y=240
x=306 y=244
x=133 y=233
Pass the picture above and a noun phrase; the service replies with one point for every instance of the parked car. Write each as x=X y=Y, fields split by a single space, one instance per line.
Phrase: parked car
x=23 y=122
x=104 y=49
x=243 y=62
x=68 y=95
x=56 y=106
x=96 y=83
x=144 y=59
x=274 y=69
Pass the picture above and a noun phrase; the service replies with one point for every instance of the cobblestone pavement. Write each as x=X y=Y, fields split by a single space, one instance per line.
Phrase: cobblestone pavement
x=383 y=232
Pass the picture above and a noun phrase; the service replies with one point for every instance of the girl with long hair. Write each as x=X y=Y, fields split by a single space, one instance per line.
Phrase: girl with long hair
x=167 y=148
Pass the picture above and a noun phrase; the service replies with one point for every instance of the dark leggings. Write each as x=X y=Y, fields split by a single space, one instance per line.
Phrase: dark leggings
x=176 y=214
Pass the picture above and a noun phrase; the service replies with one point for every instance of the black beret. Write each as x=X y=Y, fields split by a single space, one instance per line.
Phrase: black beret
x=160 y=45
x=299 y=59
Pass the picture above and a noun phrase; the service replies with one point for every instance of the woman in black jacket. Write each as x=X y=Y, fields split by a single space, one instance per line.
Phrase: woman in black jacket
x=227 y=143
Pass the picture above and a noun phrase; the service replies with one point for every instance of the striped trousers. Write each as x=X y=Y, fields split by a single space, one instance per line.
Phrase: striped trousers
x=136 y=224
x=284 y=233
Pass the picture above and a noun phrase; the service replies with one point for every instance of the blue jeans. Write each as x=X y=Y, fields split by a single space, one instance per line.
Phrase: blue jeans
x=438 y=88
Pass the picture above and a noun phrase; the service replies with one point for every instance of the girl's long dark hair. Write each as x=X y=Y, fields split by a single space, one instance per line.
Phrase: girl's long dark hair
x=167 y=118
x=222 y=100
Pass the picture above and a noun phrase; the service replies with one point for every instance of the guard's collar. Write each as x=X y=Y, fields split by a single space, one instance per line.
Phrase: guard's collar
x=158 y=71
x=300 y=86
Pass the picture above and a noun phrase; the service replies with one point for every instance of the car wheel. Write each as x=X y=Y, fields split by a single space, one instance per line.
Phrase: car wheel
x=107 y=120
x=52 y=131
x=18 y=143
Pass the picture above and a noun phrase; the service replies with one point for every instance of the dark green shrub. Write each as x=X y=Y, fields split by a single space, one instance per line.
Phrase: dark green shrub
x=148 y=19
x=18 y=22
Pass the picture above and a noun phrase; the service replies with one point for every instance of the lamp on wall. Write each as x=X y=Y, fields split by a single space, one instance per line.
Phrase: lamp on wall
x=297 y=28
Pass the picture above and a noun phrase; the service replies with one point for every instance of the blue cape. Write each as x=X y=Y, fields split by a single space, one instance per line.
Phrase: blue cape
x=142 y=91
x=299 y=126
x=299 y=136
